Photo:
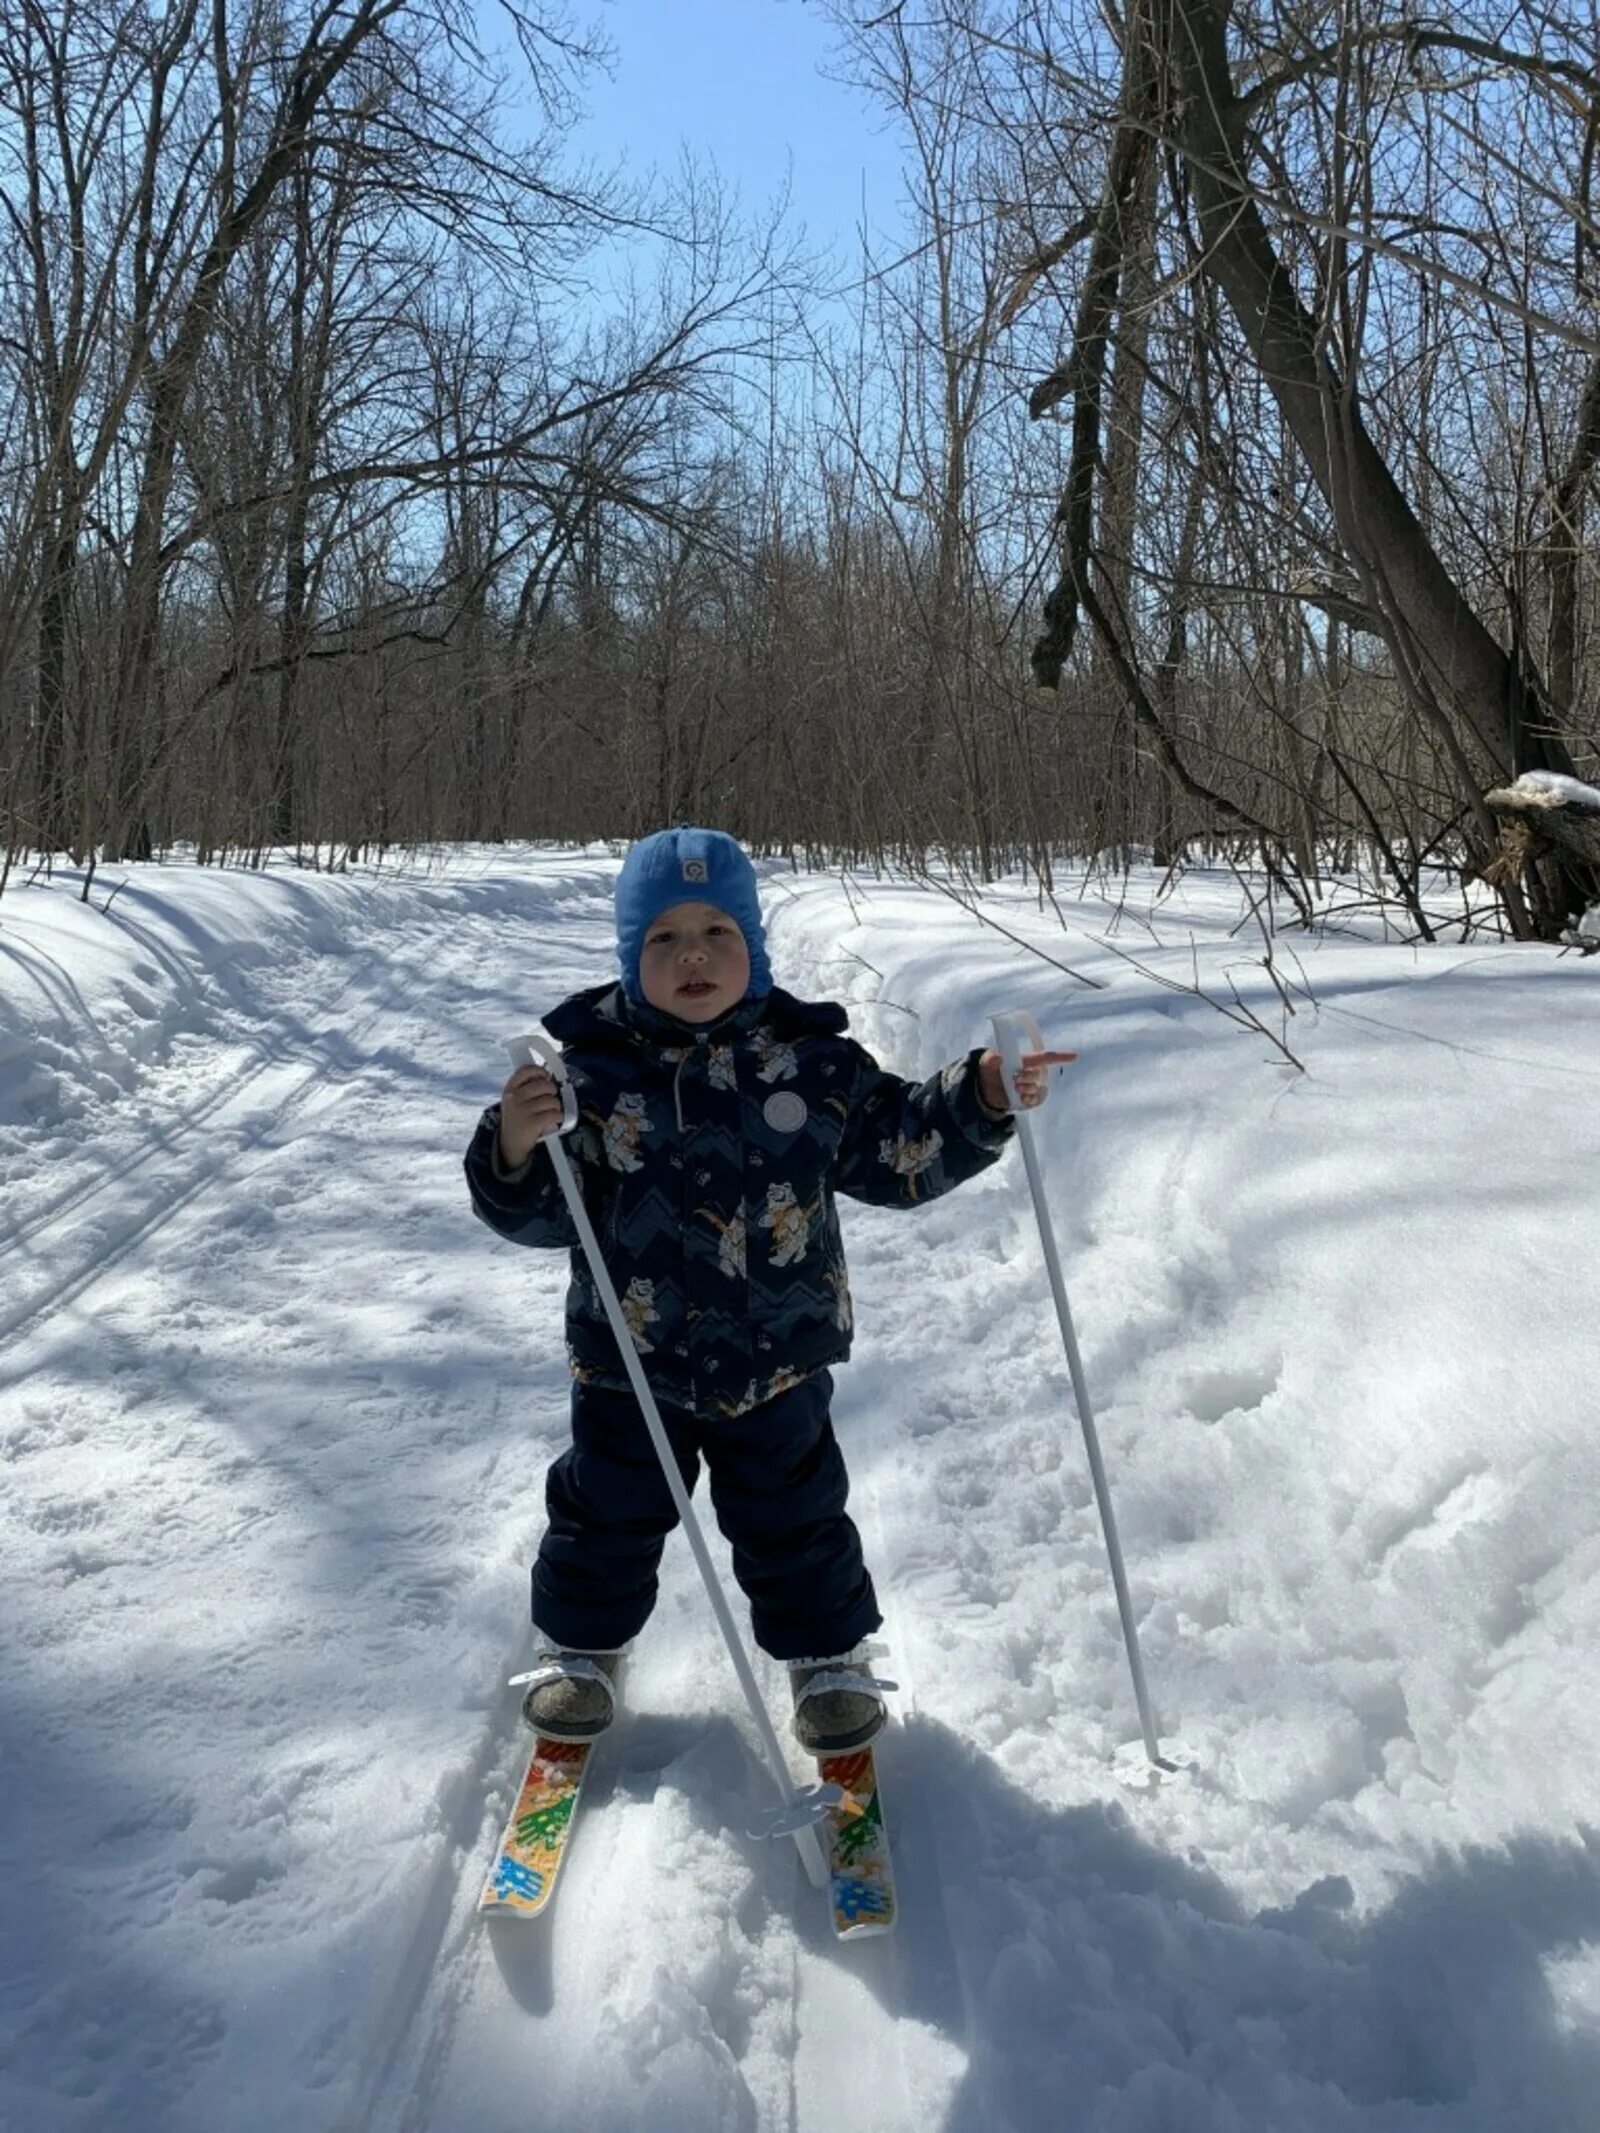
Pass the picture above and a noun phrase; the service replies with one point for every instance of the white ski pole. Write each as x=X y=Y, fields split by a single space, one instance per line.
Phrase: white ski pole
x=1015 y=1034
x=802 y=1806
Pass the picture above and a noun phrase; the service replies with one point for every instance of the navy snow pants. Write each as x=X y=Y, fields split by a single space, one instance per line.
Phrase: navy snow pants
x=778 y=1487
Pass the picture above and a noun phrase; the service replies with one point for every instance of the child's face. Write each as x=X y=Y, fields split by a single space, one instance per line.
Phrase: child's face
x=694 y=963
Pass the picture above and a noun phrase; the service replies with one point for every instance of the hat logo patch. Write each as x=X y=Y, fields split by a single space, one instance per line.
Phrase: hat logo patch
x=695 y=870
x=785 y=1112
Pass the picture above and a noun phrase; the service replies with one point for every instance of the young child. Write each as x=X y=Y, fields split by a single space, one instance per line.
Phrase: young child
x=719 y=1118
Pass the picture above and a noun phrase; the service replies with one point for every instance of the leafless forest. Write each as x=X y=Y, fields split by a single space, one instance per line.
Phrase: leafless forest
x=1207 y=462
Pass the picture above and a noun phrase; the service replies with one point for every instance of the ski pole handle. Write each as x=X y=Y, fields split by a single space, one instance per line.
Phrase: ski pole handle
x=1015 y=1035
x=536 y=1050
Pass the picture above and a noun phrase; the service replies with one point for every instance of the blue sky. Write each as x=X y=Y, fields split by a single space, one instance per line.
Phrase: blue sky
x=739 y=82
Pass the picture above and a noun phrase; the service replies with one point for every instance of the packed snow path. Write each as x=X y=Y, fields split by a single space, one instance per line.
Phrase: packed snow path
x=274 y=1414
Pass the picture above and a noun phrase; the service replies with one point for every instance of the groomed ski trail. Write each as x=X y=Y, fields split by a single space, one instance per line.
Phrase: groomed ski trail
x=270 y=1478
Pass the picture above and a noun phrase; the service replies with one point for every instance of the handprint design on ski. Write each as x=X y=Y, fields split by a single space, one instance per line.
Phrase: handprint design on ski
x=860 y=1873
x=528 y=1858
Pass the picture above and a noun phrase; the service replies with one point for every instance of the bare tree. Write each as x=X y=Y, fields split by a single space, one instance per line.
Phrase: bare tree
x=1297 y=244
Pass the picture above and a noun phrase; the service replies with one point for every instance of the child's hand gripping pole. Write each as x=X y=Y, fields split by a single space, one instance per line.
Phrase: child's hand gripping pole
x=803 y=1807
x=1016 y=1035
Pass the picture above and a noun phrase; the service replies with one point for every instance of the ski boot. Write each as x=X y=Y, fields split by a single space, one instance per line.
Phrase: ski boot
x=570 y=1695
x=838 y=1703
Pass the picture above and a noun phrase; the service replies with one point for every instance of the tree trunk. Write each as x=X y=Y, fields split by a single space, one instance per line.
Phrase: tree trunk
x=1564 y=547
x=54 y=826
x=1482 y=694
x=1083 y=375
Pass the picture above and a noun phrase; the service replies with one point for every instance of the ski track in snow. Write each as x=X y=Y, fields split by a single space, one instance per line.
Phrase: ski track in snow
x=274 y=1413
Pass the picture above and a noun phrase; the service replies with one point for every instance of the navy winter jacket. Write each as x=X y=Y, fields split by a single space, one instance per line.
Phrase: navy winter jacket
x=709 y=1160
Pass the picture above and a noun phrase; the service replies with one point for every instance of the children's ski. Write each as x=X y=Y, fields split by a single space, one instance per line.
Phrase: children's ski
x=528 y=1858
x=860 y=1872
x=527 y=1861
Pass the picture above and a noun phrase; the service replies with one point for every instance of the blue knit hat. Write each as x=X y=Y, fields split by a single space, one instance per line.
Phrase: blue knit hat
x=688 y=866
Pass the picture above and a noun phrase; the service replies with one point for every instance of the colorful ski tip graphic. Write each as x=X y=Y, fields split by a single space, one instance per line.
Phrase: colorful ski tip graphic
x=860 y=1876
x=523 y=1878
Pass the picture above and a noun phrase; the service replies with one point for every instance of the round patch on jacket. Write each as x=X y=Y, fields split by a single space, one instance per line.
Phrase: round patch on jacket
x=785 y=1112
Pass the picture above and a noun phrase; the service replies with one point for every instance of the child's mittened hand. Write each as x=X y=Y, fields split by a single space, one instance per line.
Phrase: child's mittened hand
x=530 y=1109
x=1033 y=1078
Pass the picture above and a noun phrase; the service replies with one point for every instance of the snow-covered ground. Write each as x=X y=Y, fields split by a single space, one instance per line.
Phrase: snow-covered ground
x=274 y=1413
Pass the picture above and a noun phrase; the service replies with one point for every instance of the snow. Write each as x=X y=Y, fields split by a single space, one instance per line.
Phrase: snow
x=274 y=1414
x=1572 y=790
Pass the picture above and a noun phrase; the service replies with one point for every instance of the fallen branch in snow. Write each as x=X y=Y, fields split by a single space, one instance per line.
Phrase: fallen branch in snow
x=849 y=954
x=882 y=999
x=1241 y=1013
x=1542 y=810
x=930 y=881
x=1269 y=964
